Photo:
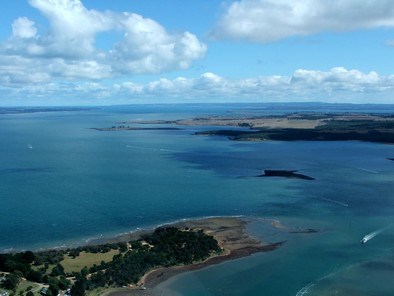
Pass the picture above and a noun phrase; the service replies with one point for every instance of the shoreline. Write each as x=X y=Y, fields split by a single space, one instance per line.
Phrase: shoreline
x=158 y=276
x=110 y=237
x=139 y=231
x=232 y=237
x=302 y=126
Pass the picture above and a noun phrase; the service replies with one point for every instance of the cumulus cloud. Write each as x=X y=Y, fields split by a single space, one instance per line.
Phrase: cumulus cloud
x=272 y=20
x=335 y=85
x=22 y=27
x=68 y=50
x=303 y=84
x=148 y=48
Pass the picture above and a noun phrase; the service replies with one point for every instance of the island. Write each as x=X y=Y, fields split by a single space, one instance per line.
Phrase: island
x=132 y=263
x=285 y=174
x=298 y=126
x=314 y=127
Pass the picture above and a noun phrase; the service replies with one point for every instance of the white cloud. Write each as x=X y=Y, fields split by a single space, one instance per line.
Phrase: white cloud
x=22 y=27
x=336 y=85
x=148 y=48
x=272 y=20
x=67 y=50
x=338 y=78
x=73 y=28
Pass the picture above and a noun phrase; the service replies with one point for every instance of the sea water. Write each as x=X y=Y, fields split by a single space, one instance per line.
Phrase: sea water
x=63 y=183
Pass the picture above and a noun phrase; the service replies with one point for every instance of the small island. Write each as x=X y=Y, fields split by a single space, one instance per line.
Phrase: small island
x=132 y=263
x=285 y=174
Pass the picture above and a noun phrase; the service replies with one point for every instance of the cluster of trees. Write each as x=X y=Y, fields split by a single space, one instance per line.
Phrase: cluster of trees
x=20 y=265
x=334 y=129
x=164 y=247
x=105 y=248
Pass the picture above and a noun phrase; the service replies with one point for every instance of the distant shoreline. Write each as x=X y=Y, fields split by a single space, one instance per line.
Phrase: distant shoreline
x=298 y=126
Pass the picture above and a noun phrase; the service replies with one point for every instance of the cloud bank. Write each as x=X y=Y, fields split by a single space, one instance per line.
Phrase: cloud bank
x=336 y=85
x=267 y=21
x=68 y=49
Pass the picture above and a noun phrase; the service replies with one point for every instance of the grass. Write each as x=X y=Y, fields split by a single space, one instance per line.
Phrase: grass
x=86 y=259
x=104 y=291
x=23 y=285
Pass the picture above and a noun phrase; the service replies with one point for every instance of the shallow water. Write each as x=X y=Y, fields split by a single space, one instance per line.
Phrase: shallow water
x=62 y=183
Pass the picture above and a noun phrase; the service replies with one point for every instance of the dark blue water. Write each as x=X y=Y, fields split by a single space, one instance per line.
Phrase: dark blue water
x=62 y=183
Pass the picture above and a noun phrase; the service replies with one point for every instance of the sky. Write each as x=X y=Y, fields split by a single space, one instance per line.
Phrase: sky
x=92 y=52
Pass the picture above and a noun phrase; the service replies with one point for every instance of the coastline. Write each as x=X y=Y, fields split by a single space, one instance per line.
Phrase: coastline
x=303 y=126
x=230 y=232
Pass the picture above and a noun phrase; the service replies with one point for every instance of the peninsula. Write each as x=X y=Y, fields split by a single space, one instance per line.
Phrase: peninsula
x=300 y=126
x=132 y=263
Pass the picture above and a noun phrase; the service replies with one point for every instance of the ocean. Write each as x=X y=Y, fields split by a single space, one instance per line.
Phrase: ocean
x=63 y=184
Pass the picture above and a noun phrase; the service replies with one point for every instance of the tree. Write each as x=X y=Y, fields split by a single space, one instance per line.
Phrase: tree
x=78 y=289
x=35 y=276
x=11 y=281
x=63 y=283
x=54 y=285
x=57 y=270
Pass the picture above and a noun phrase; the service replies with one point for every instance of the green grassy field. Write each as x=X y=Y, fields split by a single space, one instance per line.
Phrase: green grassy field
x=25 y=286
x=86 y=259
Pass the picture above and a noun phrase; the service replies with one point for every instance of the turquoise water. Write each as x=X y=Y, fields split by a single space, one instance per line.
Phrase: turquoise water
x=62 y=183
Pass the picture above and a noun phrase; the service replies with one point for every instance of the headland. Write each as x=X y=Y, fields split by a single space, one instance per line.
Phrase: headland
x=132 y=263
x=300 y=126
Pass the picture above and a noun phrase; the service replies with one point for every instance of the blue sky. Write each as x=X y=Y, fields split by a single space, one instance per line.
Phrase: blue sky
x=90 y=52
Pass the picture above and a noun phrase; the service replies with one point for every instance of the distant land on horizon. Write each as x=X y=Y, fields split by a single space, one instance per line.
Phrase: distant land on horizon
x=269 y=105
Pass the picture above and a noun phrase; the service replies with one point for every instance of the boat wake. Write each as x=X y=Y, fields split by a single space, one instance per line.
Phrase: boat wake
x=305 y=290
x=335 y=201
x=369 y=171
x=152 y=149
x=371 y=235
